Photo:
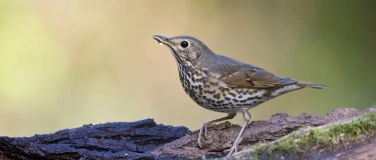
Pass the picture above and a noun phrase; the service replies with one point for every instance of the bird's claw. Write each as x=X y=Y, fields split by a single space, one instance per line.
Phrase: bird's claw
x=203 y=133
x=234 y=147
x=232 y=150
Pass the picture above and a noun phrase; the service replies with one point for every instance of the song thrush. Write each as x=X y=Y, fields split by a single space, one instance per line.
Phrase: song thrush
x=223 y=84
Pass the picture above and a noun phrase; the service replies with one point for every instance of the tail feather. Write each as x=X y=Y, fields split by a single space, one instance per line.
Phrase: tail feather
x=311 y=85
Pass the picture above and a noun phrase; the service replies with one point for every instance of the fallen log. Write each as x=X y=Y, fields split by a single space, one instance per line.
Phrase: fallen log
x=147 y=140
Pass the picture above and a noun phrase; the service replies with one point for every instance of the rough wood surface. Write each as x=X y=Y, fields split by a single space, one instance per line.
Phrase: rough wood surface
x=120 y=140
x=146 y=140
x=365 y=150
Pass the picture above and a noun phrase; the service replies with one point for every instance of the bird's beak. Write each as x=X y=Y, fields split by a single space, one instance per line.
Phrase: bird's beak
x=163 y=40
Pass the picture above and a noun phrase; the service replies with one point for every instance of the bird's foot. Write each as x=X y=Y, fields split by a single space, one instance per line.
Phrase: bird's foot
x=232 y=150
x=203 y=133
x=234 y=147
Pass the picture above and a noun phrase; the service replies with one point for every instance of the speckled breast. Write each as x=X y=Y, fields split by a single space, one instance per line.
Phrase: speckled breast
x=206 y=90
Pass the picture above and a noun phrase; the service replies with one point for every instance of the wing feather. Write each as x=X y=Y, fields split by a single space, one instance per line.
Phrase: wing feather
x=238 y=74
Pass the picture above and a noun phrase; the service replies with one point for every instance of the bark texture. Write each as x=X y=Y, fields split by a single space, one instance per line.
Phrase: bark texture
x=147 y=140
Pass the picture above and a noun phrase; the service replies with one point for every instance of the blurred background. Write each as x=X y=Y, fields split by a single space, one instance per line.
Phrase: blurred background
x=64 y=64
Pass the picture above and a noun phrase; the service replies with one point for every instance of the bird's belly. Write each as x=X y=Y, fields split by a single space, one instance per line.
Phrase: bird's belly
x=232 y=100
x=214 y=97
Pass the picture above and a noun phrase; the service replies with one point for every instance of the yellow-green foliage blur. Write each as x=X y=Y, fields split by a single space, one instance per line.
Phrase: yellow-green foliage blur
x=66 y=63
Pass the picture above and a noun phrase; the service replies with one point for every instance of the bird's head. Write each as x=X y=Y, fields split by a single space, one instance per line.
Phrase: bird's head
x=185 y=49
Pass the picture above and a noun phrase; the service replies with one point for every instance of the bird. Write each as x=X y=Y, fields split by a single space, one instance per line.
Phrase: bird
x=223 y=84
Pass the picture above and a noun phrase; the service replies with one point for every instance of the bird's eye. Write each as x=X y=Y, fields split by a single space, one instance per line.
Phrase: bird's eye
x=184 y=44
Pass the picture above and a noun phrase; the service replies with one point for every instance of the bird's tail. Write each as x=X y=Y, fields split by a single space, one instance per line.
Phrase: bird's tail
x=311 y=85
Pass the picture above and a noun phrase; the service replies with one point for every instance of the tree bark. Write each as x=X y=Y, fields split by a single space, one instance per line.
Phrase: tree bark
x=147 y=140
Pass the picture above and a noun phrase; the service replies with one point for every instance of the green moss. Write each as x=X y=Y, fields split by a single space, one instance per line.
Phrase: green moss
x=301 y=141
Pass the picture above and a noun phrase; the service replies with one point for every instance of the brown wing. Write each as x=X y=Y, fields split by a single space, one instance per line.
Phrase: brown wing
x=234 y=73
x=255 y=77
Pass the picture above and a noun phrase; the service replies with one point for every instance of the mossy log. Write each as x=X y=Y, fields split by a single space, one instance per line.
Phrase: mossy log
x=345 y=133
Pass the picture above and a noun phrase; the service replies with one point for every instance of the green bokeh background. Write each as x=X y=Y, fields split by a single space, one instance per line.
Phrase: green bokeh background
x=68 y=63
